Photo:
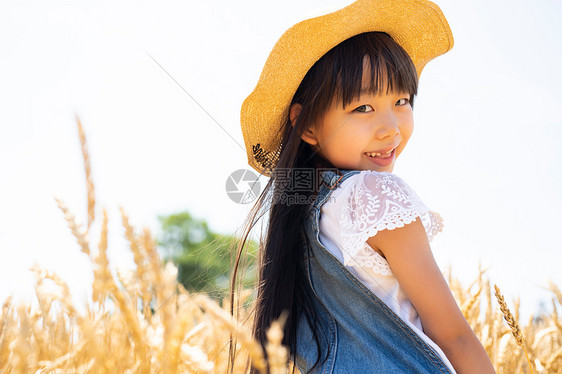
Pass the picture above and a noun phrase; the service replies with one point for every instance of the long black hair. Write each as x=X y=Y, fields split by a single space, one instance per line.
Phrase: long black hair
x=282 y=285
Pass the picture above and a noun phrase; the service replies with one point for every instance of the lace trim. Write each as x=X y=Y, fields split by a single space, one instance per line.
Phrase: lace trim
x=369 y=258
x=376 y=201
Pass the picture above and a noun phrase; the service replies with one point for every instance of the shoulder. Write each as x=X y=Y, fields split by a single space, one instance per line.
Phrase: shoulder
x=372 y=201
x=370 y=197
x=384 y=185
x=372 y=176
x=369 y=202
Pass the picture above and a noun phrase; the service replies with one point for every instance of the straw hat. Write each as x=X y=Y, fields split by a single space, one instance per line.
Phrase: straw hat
x=418 y=26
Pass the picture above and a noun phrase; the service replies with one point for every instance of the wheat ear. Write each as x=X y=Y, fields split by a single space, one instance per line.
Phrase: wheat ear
x=515 y=330
x=277 y=354
x=87 y=168
x=79 y=233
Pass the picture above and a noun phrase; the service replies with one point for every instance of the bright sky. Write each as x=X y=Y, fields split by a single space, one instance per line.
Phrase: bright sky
x=484 y=153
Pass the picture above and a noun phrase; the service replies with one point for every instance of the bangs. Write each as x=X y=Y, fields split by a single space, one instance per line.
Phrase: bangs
x=391 y=68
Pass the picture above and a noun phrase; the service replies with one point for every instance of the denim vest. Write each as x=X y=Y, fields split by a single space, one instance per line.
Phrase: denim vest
x=360 y=333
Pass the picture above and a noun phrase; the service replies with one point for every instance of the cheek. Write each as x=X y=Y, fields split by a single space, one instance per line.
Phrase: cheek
x=406 y=131
x=345 y=134
x=407 y=125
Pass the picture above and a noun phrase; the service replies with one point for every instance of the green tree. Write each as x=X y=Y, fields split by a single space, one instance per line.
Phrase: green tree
x=204 y=258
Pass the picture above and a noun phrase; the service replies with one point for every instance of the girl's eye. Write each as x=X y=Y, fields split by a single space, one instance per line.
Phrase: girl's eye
x=367 y=108
x=364 y=108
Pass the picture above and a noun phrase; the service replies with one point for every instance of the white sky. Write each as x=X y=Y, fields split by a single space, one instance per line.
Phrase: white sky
x=484 y=153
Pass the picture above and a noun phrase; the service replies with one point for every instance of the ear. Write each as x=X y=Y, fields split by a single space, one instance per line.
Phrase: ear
x=308 y=136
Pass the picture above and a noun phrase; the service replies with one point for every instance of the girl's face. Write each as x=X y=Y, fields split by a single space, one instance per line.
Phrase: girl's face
x=346 y=137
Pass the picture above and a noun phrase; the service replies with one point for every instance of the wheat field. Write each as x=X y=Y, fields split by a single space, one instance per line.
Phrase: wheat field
x=143 y=321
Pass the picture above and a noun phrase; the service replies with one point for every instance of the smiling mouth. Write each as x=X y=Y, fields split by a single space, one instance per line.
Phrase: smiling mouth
x=383 y=159
x=381 y=154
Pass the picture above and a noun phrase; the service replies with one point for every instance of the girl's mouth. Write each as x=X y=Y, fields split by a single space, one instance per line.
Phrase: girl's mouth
x=383 y=160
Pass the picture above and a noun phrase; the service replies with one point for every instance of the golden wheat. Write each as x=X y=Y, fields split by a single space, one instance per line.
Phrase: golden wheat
x=143 y=321
x=512 y=322
x=87 y=169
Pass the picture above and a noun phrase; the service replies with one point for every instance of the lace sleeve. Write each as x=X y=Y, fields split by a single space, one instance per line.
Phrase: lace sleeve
x=375 y=201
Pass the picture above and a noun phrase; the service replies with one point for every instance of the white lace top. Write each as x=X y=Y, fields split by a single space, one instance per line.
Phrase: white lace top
x=361 y=206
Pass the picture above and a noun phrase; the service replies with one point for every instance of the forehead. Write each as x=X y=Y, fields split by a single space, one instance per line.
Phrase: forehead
x=368 y=82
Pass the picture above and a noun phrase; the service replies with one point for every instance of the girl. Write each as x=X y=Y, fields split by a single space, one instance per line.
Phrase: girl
x=346 y=258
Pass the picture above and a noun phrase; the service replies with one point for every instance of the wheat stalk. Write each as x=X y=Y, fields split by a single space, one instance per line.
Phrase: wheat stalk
x=239 y=332
x=277 y=354
x=515 y=330
x=139 y=256
x=467 y=307
x=102 y=276
x=80 y=234
x=87 y=168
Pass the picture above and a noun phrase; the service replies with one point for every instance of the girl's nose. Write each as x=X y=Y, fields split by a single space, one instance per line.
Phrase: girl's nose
x=387 y=126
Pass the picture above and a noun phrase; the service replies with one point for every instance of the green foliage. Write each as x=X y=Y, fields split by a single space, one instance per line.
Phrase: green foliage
x=204 y=258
